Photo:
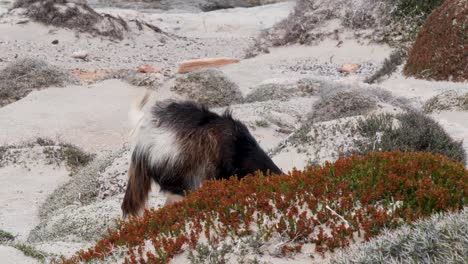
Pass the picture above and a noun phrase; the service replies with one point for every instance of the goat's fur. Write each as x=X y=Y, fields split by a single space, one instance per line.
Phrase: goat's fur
x=180 y=144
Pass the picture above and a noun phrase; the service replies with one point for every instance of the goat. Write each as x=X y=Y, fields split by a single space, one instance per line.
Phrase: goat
x=180 y=144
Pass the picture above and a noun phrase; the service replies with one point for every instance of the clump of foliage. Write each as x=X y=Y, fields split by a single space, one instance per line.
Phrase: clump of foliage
x=341 y=104
x=73 y=15
x=441 y=239
x=22 y=76
x=390 y=65
x=209 y=87
x=439 y=51
x=354 y=197
x=411 y=131
x=417 y=8
x=447 y=101
x=5 y=237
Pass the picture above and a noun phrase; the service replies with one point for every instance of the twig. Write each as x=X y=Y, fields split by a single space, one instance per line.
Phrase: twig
x=339 y=216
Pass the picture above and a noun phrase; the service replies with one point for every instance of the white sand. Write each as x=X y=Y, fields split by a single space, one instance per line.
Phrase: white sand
x=10 y=255
x=25 y=184
x=93 y=117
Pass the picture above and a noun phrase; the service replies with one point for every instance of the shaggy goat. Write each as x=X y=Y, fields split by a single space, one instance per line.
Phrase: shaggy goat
x=180 y=144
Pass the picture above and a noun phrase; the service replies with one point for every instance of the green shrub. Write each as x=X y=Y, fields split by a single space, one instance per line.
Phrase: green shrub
x=411 y=131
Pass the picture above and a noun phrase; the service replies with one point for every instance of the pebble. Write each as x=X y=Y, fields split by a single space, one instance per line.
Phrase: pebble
x=82 y=54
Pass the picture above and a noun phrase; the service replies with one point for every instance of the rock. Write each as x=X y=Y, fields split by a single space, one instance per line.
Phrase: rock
x=349 y=68
x=90 y=76
x=55 y=42
x=193 y=65
x=82 y=54
x=147 y=68
x=210 y=87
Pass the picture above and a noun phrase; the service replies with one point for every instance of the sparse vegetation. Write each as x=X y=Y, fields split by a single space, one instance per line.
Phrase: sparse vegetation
x=83 y=188
x=354 y=197
x=390 y=65
x=447 y=101
x=31 y=251
x=343 y=104
x=74 y=157
x=5 y=237
x=266 y=92
x=262 y=123
x=54 y=153
x=439 y=52
x=410 y=131
x=443 y=238
x=22 y=76
x=73 y=15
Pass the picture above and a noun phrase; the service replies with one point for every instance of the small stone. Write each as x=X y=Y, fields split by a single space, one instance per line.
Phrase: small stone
x=147 y=68
x=80 y=55
x=349 y=68
x=55 y=42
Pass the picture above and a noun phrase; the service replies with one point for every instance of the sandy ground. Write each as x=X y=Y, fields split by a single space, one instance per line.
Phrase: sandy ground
x=12 y=255
x=94 y=117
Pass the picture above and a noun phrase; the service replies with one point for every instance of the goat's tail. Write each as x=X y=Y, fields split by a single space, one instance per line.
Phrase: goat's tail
x=136 y=113
x=138 y=188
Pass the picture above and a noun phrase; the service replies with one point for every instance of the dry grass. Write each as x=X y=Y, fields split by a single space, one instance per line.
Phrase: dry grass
x=72 y=15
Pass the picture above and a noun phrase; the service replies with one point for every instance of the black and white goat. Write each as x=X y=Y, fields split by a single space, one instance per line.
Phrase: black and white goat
x=180 y=144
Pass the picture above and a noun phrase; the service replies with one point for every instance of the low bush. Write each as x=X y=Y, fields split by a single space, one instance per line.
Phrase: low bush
x=341 y=104
x=447 y=101
x=411 y=131
x=354 y=197
x=22 y=76
x=441 y=239
x=210 y=87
